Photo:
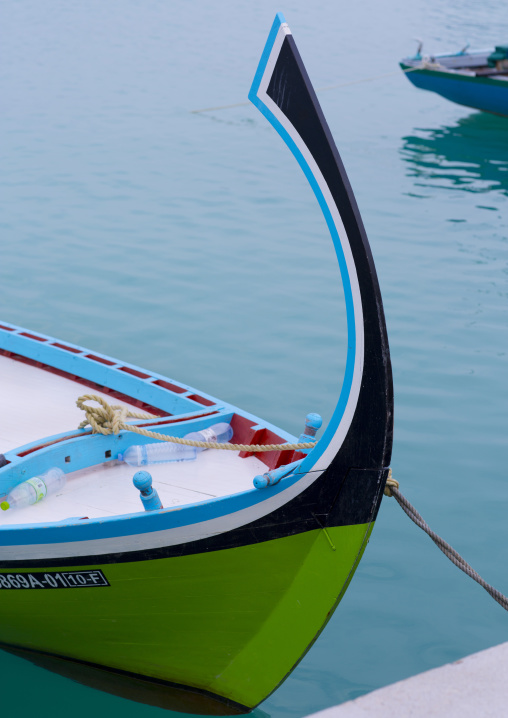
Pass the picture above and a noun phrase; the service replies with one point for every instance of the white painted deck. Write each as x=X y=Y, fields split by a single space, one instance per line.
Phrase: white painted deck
x=36 y=404
x=107 y=489
x=473 y=687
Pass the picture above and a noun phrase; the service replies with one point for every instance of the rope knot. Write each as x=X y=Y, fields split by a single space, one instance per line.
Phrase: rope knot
x=106 y=418
x=390 y=483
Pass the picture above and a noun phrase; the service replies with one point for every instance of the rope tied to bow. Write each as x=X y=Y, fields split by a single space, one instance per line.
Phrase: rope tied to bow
x=107 y=418
x=111 y=419
x=390 y=483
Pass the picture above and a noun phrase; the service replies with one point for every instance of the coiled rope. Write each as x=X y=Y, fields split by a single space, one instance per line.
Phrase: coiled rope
x=392 y=489
x=111 y=419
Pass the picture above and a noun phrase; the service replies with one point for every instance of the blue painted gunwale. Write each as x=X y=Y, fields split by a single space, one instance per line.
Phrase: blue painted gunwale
x=75 y=361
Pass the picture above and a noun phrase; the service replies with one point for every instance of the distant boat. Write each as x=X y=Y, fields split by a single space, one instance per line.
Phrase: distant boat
x=476 y=78
x=214 y=598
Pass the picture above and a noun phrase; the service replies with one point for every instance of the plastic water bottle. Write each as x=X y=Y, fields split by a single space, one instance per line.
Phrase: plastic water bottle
x=218 y=433
x=143 y=454
x=165 y=451
x=34 y=490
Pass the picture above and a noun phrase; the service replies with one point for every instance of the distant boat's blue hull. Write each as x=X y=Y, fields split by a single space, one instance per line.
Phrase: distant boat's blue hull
x=482 y=93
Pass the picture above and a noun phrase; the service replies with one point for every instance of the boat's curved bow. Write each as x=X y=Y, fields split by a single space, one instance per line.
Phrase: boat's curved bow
x=360 y=433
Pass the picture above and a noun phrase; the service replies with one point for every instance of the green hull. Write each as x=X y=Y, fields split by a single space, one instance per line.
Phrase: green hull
x=229 y=623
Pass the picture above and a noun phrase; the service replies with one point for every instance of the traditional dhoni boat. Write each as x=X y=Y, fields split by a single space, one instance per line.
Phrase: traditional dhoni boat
x=474 y=78
x=214 y=593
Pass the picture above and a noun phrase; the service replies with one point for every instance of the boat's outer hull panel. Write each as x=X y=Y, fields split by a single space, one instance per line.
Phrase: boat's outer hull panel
x=221 y=622
x=481 y=93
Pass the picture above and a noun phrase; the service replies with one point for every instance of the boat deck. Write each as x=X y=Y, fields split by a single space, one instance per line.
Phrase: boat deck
x=32 y=399
x=107 y=489
x=49 y=401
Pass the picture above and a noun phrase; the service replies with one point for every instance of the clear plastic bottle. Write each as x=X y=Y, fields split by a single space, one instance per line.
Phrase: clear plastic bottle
x=165 y=451
x=143 y=454
x=33 y=490
x=218 y=433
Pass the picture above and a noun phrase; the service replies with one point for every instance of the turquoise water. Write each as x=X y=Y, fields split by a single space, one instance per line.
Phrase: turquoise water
x=190 y=244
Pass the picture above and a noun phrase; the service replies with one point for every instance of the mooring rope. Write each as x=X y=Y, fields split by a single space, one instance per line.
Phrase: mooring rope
x=111 y=419
x=392 y=489
x=319 y=89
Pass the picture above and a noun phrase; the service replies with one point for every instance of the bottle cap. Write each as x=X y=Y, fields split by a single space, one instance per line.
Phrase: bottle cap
x=5 y=505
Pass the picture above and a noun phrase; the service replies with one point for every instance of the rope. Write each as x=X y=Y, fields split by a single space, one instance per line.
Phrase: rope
x=392 y=489
x=110 y=419
x=367 y=79
x=319 y=89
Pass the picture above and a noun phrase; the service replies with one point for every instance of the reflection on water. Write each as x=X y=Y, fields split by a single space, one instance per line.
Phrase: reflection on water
x=471 y=155
x=135 y=688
